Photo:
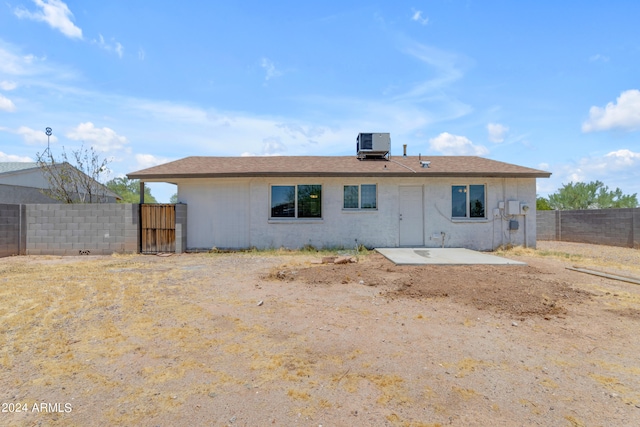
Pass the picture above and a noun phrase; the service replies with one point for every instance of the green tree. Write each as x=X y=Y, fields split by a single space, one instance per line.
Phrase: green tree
x=592 y=195
x=542 y=204
x=174 y=198
x=129 y=190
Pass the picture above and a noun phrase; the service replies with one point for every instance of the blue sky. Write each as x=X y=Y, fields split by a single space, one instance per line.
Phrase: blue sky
x=545 y=84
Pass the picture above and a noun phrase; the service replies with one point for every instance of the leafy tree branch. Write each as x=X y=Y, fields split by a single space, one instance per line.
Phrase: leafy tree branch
x=129 y=190
x=592 y=195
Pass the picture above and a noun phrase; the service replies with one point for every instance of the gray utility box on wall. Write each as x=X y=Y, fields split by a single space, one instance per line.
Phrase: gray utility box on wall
x=513 y=224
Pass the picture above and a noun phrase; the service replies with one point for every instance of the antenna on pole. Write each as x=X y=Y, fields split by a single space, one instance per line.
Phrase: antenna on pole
x=48 y=131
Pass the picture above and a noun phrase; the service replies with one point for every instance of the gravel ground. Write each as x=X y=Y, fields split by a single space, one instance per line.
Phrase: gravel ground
x=617 y=259
x=607 y=253
x=268 y=339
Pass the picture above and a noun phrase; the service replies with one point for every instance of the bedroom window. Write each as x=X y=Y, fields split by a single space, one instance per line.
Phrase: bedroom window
x=296 y=201
x=468 y=201
x=364 y=196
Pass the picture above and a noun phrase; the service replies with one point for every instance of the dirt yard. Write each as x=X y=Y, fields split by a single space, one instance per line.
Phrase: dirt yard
x=257 y=339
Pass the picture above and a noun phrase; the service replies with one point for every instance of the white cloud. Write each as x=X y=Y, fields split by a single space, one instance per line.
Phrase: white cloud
x=419 y=18
x=430 y=95
x=32 y=136
x=102 y=139
x=7 y=85
x=144 y=161
x=165 y=111
x=620 y=168
x=13 y=158
x=445 y=65
x=455 y=145
x=55 y=13
x=306 y=132
x=40 y=72
x=114 y=46
x=624 y=114
x=12 y=63
x=141 y=54
x=6 y=104
x=622 y=159
x=598 y=57
x=273 y=146
x=496 y=132
x=270 y=69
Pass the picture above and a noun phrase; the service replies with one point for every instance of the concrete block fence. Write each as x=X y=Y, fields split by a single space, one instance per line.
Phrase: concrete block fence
x=12 y=230
x=76 y=229
x=82 y=229
x=613 y=227
x=181 y=228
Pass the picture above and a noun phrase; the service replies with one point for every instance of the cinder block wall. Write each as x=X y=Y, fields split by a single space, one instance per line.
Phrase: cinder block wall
x=12 y=230
x=181 y=228
x=94 y=229
x=614 y=227
x=546 y=225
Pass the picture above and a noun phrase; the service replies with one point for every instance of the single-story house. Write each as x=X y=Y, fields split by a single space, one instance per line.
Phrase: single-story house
x=25 y=182
x=344 y=201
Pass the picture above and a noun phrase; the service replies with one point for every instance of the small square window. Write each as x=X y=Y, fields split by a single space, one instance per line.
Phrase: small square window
x=364 y=196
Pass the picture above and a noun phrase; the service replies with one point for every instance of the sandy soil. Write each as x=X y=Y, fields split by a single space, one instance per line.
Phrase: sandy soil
x=280 y=339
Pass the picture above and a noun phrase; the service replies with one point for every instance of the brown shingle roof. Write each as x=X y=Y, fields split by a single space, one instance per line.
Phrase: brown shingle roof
x=336 y=166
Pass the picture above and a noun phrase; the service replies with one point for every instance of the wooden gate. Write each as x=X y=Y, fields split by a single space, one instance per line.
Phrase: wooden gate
x=158 y=228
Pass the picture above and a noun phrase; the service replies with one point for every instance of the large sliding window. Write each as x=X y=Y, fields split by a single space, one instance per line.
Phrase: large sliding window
x=468 y=201
x=364 y=196
x=296 y=201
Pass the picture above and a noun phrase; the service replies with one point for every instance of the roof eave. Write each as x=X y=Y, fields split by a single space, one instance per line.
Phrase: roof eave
x=144 y=177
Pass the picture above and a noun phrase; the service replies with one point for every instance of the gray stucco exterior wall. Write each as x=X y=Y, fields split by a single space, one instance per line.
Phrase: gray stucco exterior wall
x=17 y=194
x=235 y=213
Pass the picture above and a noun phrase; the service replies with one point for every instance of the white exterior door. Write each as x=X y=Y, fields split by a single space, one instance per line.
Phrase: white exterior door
x=411 y=216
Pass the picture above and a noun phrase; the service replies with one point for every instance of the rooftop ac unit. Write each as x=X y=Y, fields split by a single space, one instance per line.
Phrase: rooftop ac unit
x=373 y=145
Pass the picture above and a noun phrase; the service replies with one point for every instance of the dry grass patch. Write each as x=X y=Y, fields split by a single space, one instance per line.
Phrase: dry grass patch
x=135 y=340
x=466 y=366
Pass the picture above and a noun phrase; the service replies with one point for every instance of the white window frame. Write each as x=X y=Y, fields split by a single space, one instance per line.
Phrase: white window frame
x=359 y=208
x=295 y=204
x=467 y=192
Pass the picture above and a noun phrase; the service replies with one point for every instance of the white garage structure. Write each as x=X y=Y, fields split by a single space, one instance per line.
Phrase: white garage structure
x=330 y=201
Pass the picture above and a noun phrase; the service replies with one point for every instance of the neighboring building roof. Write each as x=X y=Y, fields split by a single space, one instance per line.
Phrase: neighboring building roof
x=8 y=167
x=16 y=171
x=334 y=166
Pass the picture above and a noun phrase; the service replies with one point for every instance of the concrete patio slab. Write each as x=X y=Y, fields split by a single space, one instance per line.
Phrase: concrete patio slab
x=442 y=256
